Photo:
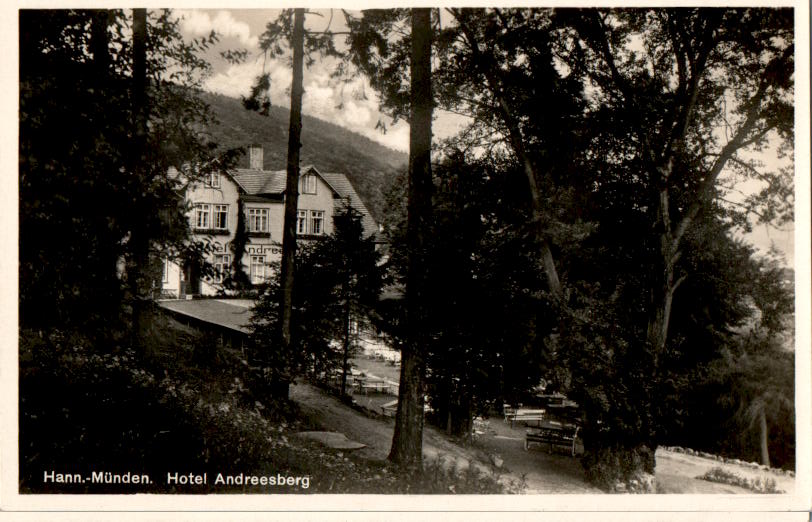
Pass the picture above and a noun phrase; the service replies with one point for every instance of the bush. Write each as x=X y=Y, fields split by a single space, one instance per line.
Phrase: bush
x=620 y=469
x=83 y=410
x=758 y=484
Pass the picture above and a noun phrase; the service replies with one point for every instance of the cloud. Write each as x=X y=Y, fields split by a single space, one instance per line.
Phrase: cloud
x=352 y=105
x=396 y=137
x=198 y=23
x=235 y=81
x=356 y=115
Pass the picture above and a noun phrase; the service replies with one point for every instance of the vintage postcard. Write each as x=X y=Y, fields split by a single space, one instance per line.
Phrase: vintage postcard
x=366 y=261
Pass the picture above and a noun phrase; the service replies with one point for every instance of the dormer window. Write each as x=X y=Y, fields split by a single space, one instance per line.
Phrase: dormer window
x=308 y=184
x=214 y=180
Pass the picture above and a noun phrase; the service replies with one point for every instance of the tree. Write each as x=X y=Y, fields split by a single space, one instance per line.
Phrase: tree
x=290 y=26
x=382 y=57
x=407 y=442
x=498 y=64
x=86 y=203
x=759 y=379
x=640 y=120
x=354 y=262
x=754 y=375
x=340 y=283
x=698 y=70
x=292 y=181
x=483 y=282
x=714 y=55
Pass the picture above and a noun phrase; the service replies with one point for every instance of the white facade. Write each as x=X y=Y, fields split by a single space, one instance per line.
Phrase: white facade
x=213 y=216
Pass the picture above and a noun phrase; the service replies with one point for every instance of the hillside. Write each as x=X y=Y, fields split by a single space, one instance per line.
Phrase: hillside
x=370 y=166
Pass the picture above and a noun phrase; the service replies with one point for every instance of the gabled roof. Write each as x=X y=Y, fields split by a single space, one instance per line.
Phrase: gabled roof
x=272 y=182
x=345 y=190
x=260 y=181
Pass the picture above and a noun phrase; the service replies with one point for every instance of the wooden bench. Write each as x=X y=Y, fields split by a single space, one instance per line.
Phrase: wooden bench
x=554 y=434
x=376 y=385
x=527 y=415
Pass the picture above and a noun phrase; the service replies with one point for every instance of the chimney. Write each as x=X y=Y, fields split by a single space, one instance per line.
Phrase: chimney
x=255 y=157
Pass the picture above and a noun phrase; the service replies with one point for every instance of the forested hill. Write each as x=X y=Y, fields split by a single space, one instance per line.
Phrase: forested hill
x=370 y=166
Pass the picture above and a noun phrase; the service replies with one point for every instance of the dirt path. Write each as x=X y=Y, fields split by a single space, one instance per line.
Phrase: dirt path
x=375 y=433
x=542 y=473
x=539 y=471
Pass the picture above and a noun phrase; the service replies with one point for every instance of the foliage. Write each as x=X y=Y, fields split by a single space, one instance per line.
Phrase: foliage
x=758 y=484
x=275 y=42
x=334 y=273
x=483 y=309
x=237 y=278
x=384 y=60
x=180 y=416
x=626 y=344
x=82 y=197
x=619 y=469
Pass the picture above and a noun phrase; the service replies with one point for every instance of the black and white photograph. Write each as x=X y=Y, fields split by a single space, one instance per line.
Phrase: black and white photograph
x=449 y=258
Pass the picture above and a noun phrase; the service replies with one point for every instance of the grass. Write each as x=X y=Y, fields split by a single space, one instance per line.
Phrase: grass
x=190 y=408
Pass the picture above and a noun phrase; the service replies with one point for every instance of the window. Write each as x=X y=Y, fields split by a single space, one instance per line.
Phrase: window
x=257 y=269
x=317 y=222
x=202 y=216
x=221 y=266
x=257 y=219
x=165 y=277
x=308 y=184
x=301 y=222
x=221 y=216
x=214 y=180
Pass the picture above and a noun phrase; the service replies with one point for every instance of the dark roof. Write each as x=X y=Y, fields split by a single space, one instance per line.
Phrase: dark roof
x=345 y=190
x=260 y=181
x=212 y=311
x=269 y=183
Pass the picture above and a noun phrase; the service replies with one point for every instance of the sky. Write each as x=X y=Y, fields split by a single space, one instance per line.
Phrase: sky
x=354 y=105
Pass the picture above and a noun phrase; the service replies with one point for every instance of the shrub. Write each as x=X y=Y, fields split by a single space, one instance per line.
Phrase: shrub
x=621 y=470
x=758 y=484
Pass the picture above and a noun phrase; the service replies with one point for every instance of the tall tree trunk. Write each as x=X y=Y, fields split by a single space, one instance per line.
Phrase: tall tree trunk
x=292 y=182
x=763 y=437
x=407 y=442
x=100 y=47
x=345 y=363
x=138 y=274
x=99 y=42
x=496 y=84
x=662 y=289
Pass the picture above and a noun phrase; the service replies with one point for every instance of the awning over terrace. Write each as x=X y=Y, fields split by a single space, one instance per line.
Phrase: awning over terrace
x=232 y=315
